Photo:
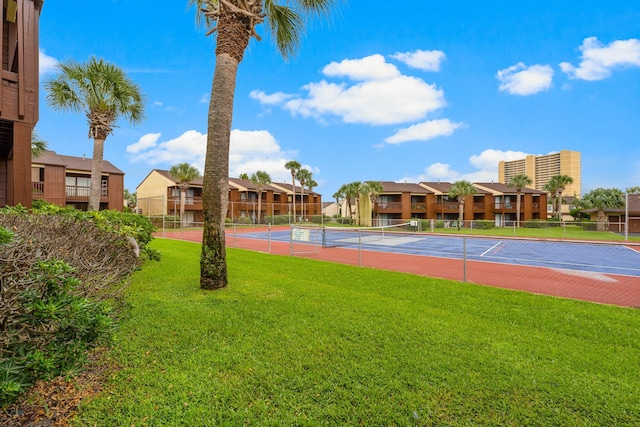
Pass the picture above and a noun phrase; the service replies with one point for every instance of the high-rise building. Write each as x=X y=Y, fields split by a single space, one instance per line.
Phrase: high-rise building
x=540 y=169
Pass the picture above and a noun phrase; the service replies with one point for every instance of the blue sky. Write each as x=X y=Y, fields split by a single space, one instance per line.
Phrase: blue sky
x=412 y=90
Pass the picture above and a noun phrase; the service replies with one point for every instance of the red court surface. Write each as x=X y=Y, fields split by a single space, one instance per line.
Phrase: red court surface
x=595 y=287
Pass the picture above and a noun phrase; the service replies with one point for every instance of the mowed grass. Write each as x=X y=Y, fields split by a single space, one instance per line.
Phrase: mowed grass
x=299 y=342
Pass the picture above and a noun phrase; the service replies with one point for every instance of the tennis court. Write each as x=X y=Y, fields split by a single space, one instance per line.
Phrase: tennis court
x=606 y=258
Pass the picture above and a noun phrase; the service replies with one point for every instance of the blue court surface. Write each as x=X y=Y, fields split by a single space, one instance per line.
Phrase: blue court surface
x=590 y=257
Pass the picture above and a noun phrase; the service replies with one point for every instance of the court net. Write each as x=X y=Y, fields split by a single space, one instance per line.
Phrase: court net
x=390 y=235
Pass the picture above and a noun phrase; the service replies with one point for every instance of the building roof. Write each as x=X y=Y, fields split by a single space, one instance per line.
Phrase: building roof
x=634 y=207
x=499 y=187
x=402 y=187
x=288 y=188
x=247 y=185
x=444 y=187
x=49 y=157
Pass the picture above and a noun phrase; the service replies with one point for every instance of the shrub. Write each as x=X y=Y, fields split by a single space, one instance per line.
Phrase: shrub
x=63 y=274
x=45 y=301
x=533 y=223
x=483 y=225
x=317 y=219
x=276 y=219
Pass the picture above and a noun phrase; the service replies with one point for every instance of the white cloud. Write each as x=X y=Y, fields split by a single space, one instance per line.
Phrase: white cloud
x=372 y=67
x=249 y=151
x=599 y=61
x=47 y=64
x=427 y=60
x=380 y=96
x=149 y=140
x=522 y=80
x=485 y=167
x=381 y=102
x=425 y=131
x=273 y=99
x=204 y=99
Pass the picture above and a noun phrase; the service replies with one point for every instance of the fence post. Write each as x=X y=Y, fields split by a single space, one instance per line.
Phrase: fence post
x=626 y=217
x=359 y=248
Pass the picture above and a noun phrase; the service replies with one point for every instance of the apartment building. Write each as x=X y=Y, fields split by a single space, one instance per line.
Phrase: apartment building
x=159 y=194
x=66 y=181
x=430 y=200
x=540 y=169
x=18 y=98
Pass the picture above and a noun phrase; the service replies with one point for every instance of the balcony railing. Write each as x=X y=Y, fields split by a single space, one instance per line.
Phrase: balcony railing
x=388 y=207
x=37 y=190
x=74 y=192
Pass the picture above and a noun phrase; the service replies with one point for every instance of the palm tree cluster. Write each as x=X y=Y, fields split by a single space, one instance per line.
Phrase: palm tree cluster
x=305 y=179
x=519 y=182
x=362 y=195
x=555 y=187
x=260 y=179
x=460 y=190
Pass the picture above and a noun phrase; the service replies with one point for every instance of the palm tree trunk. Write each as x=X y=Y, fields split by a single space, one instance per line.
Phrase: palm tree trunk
x=215 y=192
x=259 y=205
x=95 y=192
x=302 y=202
x=460 y=213
x=293 y=187
x=183 y=201
x=518 y=210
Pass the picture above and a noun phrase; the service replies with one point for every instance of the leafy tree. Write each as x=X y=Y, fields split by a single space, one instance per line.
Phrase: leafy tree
x=130 y=198
x=601 y=199
x=104 y=93
x=243 y=176
x=303 y=176
x=294 y=167
x=260 y=179
x=38 y=145
x=633 y=190
x=460 y=190
x=184 y=173
x=519 y=182
x=234 y=22
x=555 y=187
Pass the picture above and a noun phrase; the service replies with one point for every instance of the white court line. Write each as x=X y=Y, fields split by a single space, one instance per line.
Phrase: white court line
x=491 y=248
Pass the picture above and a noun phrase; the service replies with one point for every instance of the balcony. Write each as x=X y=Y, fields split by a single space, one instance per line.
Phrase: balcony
x=76 y=193
x=37 y=190
x=388 y=207
x=446 y=207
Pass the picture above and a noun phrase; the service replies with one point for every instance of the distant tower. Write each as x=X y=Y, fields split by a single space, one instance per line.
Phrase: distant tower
x=540 y=169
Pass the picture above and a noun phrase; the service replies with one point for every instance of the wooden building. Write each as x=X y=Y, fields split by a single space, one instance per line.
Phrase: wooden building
x=18 y=98
x=66 y=181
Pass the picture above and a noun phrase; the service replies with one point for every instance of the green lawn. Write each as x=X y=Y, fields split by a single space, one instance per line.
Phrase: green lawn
x=293 y=341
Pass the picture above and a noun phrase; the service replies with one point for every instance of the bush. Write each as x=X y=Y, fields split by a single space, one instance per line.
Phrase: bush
x=276 y=219
x=533 y=223
x=344 y=221
x=483 y=225
x=317 y=219
x=63 y=274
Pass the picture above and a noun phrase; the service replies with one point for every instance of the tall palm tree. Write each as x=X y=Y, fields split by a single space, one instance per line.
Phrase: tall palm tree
x=350 y=192
x=303 y=176
x=234 y=22
x=366 y=196
x=561 y=182
x=601 y=199
x=260 y=179
x=519 y=182
x=183 y=173
x=551 y=187
x=104 y=93
x=460 y=190
x=338 y=195
x=294 y=167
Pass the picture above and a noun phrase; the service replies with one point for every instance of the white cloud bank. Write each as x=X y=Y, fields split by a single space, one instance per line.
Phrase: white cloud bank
x=373 y=92
x=522 y=80
x=47 y=64
x=426 y=60
x=249 y=152
x=599 y=60
x=485 y=164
